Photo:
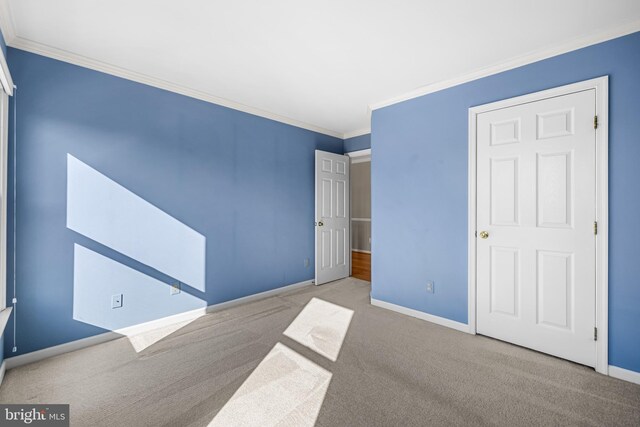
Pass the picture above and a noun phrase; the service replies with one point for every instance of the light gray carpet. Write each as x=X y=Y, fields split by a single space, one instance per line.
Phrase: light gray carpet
x=390 y=370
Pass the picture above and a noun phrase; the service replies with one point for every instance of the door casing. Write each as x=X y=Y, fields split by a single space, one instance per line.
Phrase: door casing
x=601 y=86
x=359 y=156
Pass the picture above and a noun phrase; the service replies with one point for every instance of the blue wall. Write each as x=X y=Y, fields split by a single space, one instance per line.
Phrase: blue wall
x=356 y=143
x=419 y=187
x=243 y=182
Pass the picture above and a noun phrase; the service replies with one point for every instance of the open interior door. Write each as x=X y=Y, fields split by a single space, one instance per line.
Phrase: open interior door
x=332 y=222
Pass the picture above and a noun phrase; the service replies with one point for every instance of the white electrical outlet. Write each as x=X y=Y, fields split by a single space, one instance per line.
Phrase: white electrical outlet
x=431 y=286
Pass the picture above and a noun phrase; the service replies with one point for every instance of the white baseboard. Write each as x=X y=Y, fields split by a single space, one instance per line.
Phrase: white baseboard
x=361 y=251
x=462 y=327
x=261 y=295
x=624 y=374
x=161 y=323
x=34 y=356
x=614 y=371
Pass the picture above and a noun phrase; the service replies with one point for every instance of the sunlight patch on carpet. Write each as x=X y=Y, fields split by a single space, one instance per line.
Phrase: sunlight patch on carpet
x=286 y=389
x=321 y=326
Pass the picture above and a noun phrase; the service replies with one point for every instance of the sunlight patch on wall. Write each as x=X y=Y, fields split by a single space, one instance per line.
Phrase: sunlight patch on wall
x=103 y=210
x=143 y=336
x=321 y=326
x=97 y=278
x=285 y=389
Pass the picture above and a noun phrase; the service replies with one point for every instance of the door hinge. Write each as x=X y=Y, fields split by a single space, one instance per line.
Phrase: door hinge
x=595 y=122
x=595 y=334
x=595 y=227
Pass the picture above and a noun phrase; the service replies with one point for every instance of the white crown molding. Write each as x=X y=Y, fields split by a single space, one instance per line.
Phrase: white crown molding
x=82 y=61
x=355 y=133
x=539 y=55
x=7 y=25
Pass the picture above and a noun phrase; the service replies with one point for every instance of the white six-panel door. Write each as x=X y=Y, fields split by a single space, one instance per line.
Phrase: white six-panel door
x=536 y=201
x=333 y=248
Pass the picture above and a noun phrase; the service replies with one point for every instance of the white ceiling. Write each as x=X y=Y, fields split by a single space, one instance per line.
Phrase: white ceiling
x=319 y=64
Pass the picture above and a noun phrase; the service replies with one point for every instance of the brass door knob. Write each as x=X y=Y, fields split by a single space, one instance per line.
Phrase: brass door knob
x=484 y=234
x=320 y=224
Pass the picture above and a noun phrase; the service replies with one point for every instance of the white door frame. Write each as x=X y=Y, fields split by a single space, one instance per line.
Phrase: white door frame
x=601 y=86
x=359 y=156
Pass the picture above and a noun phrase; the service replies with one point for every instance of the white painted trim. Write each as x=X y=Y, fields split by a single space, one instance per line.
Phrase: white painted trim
x=358 y=132
x=539 y=55
x=162 y=322
x=471 y=224
x=624 y=374
x=421 y=315
x=82 y=61
x=602 y=216
x=363 y=159
x=360 y=156
x=359 y=153
x=8 y=31
x=4 y=181
x=5 y=76
x=258 y=296
x=5 y=313
x=3 y=370
x=7 y=24
x=600 y=85
x=35 y=356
